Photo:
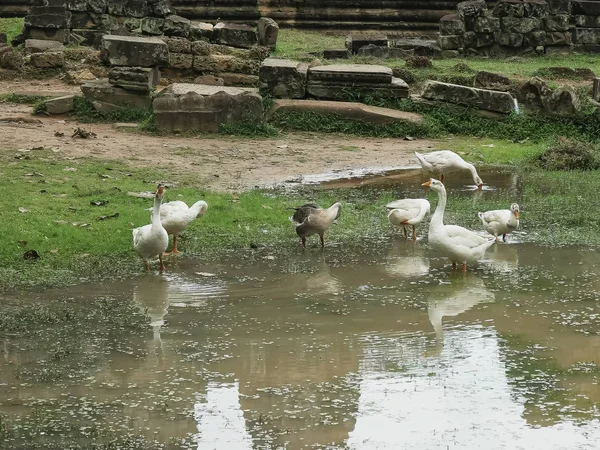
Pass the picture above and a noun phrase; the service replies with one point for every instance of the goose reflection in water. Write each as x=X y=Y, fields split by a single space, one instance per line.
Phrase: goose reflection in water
x=407 y=259
x=152 y=294
x=453 y=299
x=503 y=257
x=323 y=281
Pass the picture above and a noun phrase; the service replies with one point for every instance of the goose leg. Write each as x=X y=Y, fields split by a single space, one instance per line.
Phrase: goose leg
x=464 y=267
x=303 y=241
x=496 y=238
x=162 y=264
x=442 y=178
x=175 y=245
x=414 y=233
x=322 y=241
x=453 y=265
x=405 y=232
x=147 y=266
x=503 y=237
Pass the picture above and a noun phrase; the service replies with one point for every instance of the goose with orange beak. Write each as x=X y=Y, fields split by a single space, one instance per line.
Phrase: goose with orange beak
x=456 y=243
x=445 y=161
x=500 y=221
x=151 y=240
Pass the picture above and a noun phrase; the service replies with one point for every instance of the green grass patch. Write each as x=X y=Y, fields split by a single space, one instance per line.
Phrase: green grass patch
x=22 y=99
x=304 y=45
x=11 y=26
x=85 y=112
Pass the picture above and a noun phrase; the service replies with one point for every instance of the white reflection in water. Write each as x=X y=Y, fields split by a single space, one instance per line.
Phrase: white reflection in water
x=407 y=259
x=449 y=300
x=503 y=257
x=464 y=402
x=221 y=423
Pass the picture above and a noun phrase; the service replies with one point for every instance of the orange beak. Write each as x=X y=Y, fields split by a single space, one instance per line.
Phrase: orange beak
x=480 y=186
x=427 y=183
x=160 y=190
x=516 y=214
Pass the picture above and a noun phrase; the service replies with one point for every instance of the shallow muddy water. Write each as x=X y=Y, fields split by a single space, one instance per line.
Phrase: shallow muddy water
x=382 y=348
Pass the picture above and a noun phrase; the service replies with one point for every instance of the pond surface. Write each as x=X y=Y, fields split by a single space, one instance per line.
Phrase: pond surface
x=378 y=348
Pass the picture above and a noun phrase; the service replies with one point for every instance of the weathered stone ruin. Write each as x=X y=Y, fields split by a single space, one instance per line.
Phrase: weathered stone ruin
x=522 y=26
x=291 y=79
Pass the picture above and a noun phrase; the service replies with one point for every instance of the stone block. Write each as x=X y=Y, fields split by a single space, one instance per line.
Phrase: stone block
x=235 y=35
x=588 y=8
x=559 y=6
x=283 y=78
x=536 y=8
x=559 y=38
x=77 y=5
x=587 y=36
x=10 y=59
x=489 y=100
x=451 y=25
x=224 y=63
x=137 y=8
x=134 y=51
x=176 y=26
x=51 y=34
x=203 y=48
x=587 y=21
x=267 y=32
x=181 y=61
x=97 y=6
x=535 y=39
x=48 y=17
x=91 y=37
x=349 y=110
x=81 y=20
x=417 y=46
x=210 y=80
x=356 y=41
x=469 y=11
x=596 y=89
x=39 y=46
x=470 y=39
x=491 y=80
x=564 y=102
x=509 y=8
x=451 y=42
x=486 y=24
x=359 y=73
x=558 y=49
x=103 y=91
x=142 y=79
x=162 y=8
x=204 y=108
x=484 y=40
x=559 y=22
x=178 y=44
x=239 y=79
x=338 y=90
x=520 y=25
x=116 y=7
x=48 y=60
x=336 y=53
x=510 y=39
x=59 y=105
x=153 y=25
x=535 y=93
x=201 y=31
x=375 y=51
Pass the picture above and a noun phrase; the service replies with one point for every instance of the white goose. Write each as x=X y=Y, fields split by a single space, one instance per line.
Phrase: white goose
x=312 y=219
x=410 y=211
x=500 y=221
x=456 y=243
x=176 y=217
x=151 y=240
x=446 y=161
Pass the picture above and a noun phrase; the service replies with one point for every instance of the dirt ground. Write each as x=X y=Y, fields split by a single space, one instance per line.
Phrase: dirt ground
x=219 y=163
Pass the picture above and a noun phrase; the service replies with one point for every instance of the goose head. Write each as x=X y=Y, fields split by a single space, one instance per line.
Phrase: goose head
x=478 y=181
x=434 y=185
x=160 y=192
x=515 y=210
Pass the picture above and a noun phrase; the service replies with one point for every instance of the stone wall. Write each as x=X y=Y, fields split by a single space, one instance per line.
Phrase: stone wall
x=515 y=27
x=397 y=17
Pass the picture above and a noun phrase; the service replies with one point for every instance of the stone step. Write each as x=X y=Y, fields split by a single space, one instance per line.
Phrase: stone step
x=357 y=73
x=134 y=51
x=340 y=90
x=489 y=100
x=348 y=110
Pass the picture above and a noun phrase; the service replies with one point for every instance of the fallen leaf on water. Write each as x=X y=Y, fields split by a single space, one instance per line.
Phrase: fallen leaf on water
x=23 y=210
x=270 y=257
x=110 y=216
x=205 y=274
